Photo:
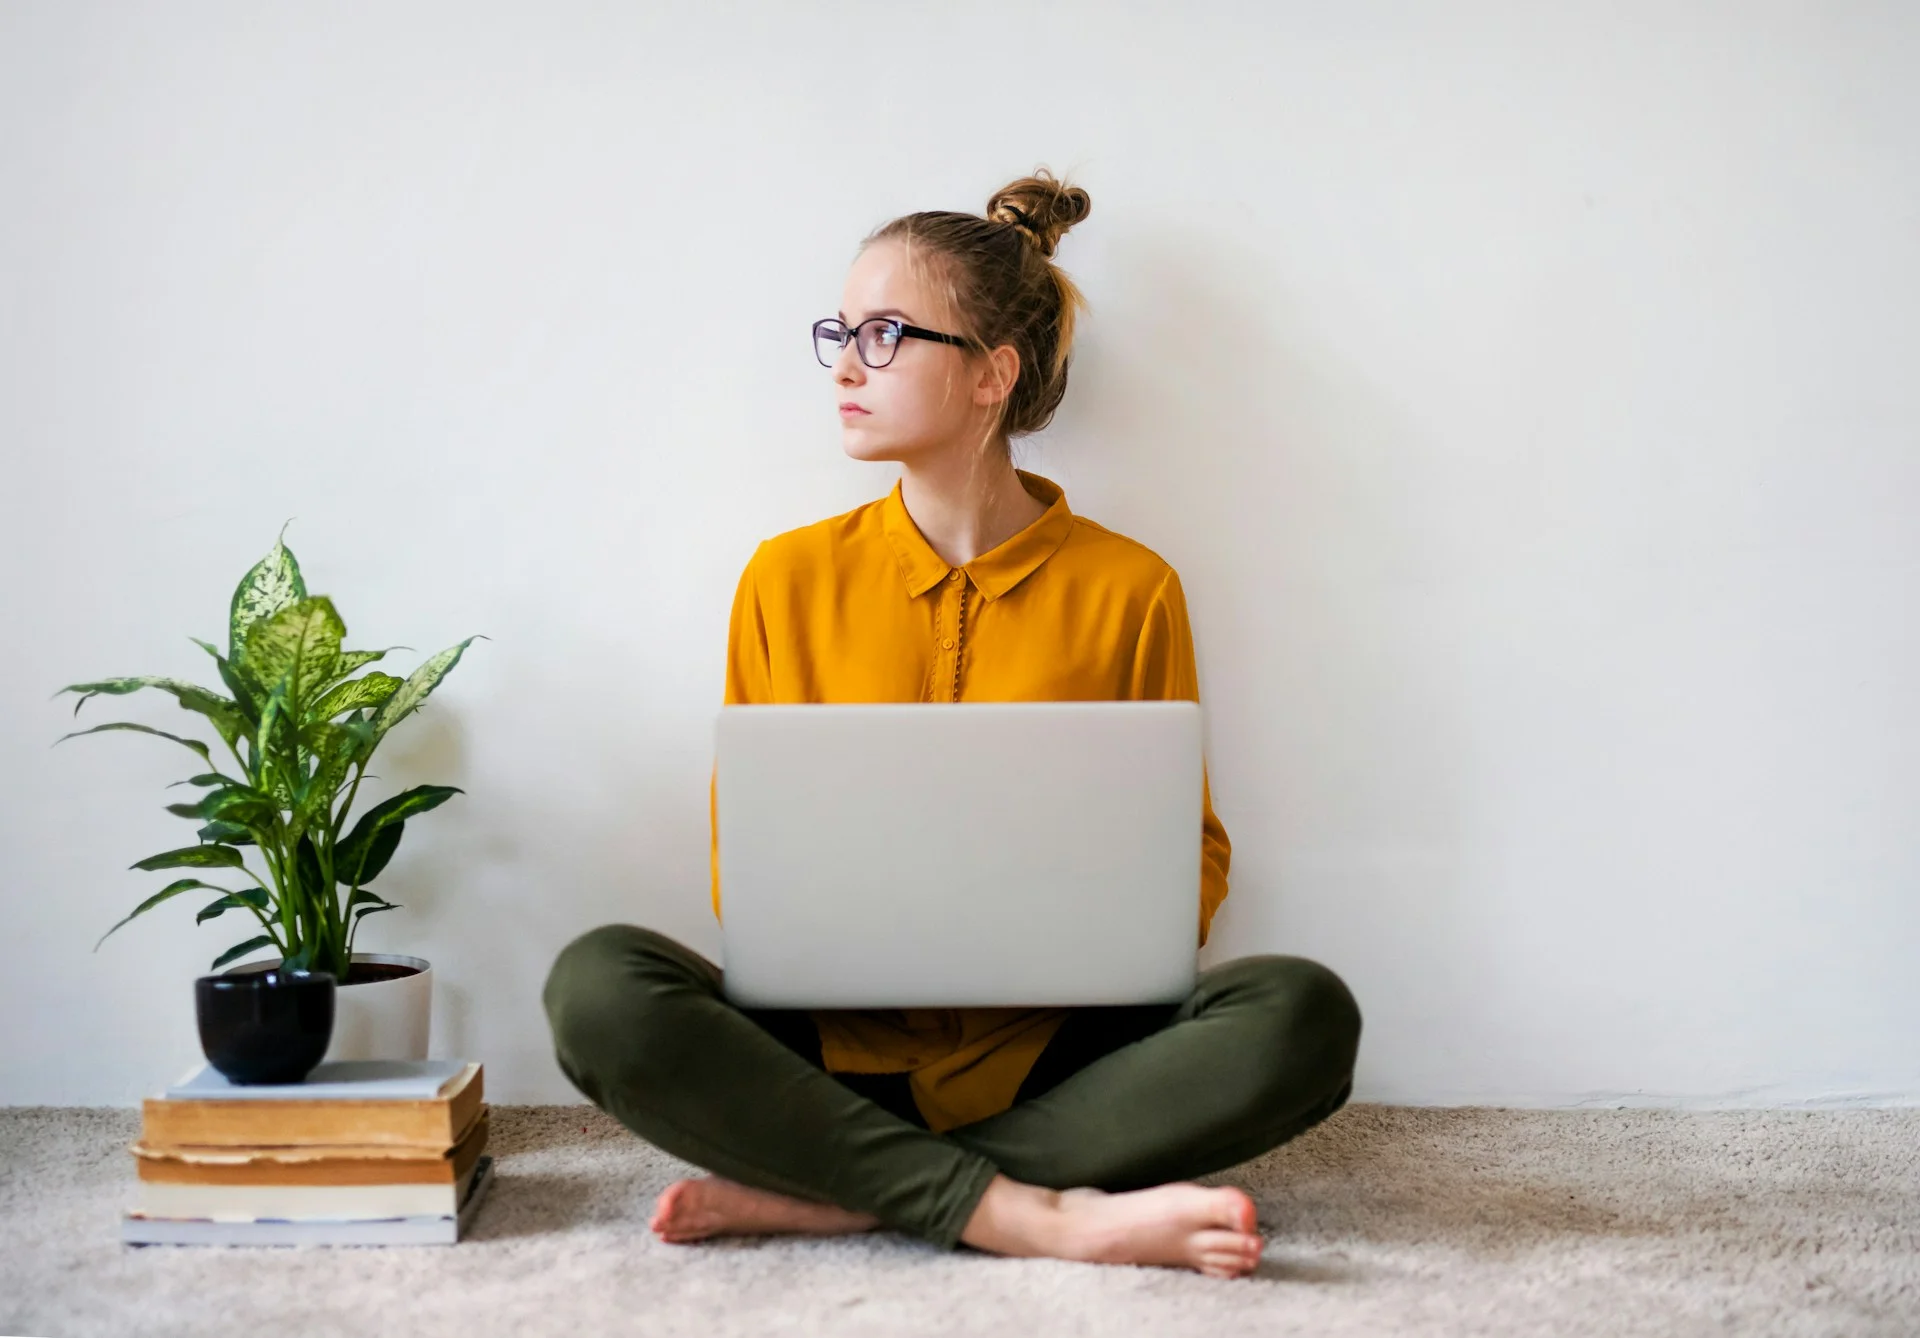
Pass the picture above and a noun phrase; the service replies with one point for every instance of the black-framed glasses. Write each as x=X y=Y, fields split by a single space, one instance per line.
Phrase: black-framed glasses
x=875 y=339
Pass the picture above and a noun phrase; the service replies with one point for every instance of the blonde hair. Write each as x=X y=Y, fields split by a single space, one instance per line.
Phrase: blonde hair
x=995 y=276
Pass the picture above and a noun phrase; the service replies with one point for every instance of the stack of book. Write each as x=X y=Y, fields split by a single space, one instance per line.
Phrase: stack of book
x=363 y=1152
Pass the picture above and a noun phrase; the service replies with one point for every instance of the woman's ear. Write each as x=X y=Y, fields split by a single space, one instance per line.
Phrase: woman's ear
x=999 y=373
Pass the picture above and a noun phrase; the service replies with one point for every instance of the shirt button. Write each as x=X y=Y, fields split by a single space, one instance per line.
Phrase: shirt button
x=954 y=575
x=946 y=643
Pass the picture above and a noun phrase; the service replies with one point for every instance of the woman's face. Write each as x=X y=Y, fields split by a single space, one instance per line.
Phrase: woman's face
x=933 y=398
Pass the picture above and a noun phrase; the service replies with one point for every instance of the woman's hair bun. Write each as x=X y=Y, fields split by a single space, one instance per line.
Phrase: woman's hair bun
x=1041 y=207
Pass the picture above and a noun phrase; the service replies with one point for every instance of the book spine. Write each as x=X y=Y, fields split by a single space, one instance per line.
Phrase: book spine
x=405 y=1231
x=271 y=1166
x=244 y=1203
x=293 y=1123
x=139 y=1230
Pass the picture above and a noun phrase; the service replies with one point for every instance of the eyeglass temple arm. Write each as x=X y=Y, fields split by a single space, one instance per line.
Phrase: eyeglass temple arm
x=919 y=333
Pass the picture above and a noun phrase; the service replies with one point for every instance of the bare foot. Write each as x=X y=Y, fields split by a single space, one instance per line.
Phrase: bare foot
x=690 y=1210
x=1212 y=1231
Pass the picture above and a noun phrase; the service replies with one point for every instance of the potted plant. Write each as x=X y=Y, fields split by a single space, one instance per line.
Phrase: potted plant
x=301 y=728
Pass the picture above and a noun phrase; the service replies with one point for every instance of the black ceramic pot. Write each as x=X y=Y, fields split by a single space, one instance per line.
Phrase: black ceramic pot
x=265 y=1026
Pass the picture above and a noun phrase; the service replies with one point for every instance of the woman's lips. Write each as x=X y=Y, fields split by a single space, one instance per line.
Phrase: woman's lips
x=852 y=411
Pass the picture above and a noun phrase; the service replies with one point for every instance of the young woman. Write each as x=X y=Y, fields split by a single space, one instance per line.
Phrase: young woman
x=1071 y=1133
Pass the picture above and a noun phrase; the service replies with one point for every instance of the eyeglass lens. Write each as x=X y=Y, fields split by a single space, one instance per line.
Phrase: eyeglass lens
x=877 y=340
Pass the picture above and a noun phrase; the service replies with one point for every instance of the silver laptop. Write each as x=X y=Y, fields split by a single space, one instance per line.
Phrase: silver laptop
x=896 y=855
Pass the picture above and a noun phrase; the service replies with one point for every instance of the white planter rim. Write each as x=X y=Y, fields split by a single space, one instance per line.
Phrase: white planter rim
x=378 y=1019
x=420 y=965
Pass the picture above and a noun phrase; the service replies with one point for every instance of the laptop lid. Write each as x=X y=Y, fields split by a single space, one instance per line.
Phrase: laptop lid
x=894 y=855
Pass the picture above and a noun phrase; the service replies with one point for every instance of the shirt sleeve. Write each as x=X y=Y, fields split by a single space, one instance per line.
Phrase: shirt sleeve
x=1164 y=670
x=749 y=679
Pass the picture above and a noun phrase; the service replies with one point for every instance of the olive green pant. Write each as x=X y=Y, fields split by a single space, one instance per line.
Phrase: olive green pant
x=1121 y=1098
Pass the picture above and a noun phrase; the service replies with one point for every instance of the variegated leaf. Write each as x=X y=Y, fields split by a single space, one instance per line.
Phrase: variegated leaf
x=247 y=693
x=167 y=893
x=296 y=648
x=194 y=744
x=415 y=690
x=336 y=748
x=224 y=714
x=271 y=736
x=228 y=833
x=221 y=713
x=246 y=897
x=368 y=847
x=193 y=857
x=352 y=660
x=360 y=862
x=241 y=804
x=349 y=663
x=368 y=690
x=271 y=584
x=241 y=950
x=312 y=879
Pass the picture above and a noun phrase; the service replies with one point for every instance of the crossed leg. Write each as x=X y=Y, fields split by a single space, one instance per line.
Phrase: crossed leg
x=1262 y=1050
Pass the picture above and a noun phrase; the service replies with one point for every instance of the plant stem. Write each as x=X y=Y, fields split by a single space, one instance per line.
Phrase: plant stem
x=276 y=867
x=266 y=921
x=339 y=819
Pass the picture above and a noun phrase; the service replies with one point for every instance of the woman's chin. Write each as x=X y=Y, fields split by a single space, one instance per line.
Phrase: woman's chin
x=859 y=446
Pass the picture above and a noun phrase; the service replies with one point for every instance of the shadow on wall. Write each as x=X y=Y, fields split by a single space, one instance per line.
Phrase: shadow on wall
x=1299 y=500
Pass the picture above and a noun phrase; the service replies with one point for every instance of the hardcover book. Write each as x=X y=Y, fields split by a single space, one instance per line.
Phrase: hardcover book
x=346 y=1164
x=413 y=1230
x=388 y=1103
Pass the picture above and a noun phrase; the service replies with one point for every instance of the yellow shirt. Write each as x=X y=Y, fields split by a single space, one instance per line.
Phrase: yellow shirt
x=860 y=608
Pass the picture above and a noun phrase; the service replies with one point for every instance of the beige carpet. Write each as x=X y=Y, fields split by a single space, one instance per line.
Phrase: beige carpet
x=1383 y=1221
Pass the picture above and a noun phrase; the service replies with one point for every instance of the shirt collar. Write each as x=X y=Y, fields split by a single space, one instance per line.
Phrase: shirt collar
x=995 y=571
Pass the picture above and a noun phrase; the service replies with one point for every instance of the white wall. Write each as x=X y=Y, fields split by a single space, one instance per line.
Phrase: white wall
x=1526 y=395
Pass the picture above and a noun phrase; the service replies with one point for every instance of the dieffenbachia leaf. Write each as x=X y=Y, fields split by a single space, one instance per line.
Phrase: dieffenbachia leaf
x=414 y=691
x=362 y=897
x=234 y=803
x=225 y=715
x=270 y=585
x=363 y=862
x=240 y=804
x=167 y=893
x=313 y=882
x=231 y=833
x=205 y=779
x=241 y=950
x=366 y=850
x=193 y=857
x=369 y=690
x=271 y=734
x=351 y=660
x=364 y=903
x=246 y=693
x=296 y=648
x=335 y=748
x=194 y=744
x=246 y=897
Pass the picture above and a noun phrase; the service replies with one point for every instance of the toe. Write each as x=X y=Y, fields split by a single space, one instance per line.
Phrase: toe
x=1242 y=1215
x=1230 y=1250
x=1224 y=1266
